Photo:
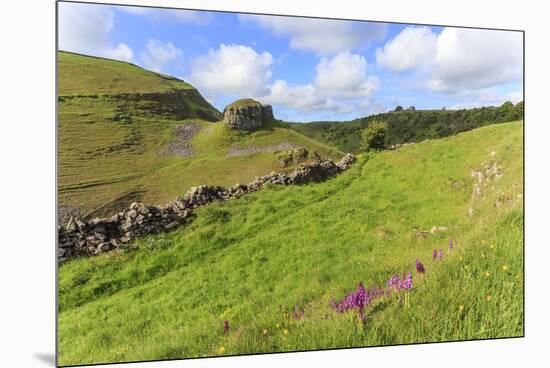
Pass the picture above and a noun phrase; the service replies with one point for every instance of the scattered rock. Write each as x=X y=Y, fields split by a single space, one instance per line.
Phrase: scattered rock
x=252 y=149
x=436 y=229
x=458 y=184
x=422 y=234
x=181 y=145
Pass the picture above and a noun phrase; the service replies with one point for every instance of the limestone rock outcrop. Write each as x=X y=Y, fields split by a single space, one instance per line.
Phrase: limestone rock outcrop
x=247 y=114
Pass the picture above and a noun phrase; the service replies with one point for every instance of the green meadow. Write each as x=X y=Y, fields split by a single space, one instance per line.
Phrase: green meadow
x=251 y=261
x=115 y=122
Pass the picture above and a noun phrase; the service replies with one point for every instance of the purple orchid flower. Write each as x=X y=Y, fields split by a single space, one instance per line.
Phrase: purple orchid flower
x=420 y=267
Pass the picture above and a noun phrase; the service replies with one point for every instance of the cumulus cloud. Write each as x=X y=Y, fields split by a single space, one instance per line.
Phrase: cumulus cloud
x=169 y=15
x=240 y=71
x=337 y=79
x=345 y=75
x=84 y=28
x=323 y=36
x=120 y=52
x=413 y=47
x=157 y=54
x=302 y=96
x=472 y=59
x=458 y=60
x=235 y=70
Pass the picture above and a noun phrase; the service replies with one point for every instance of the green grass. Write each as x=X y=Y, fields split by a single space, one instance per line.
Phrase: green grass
x=88 y=75
x=244 y=102
x=115 y=120
x=251 y=260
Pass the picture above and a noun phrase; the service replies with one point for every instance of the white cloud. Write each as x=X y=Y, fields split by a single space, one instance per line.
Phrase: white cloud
x=377 y=106
x=158 y=54
x=85 y=28
x=337 y=79
x=458 y=60
x=323 y=36
x=120 y=52
x=240 y=71
x=235 y=70
x=303 y=97
x=412 y=47
x=345 y=75
x=169 y=15
x=488 y=97
x=472 y=59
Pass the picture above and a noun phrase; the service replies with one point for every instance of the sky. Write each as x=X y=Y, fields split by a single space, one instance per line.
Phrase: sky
x=308 y=69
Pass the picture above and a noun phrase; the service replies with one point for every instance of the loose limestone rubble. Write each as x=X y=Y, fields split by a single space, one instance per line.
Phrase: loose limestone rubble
x=489 y=172
x=100 y=235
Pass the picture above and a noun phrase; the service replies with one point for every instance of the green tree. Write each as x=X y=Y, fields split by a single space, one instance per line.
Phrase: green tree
x=399 y=108
x=373 y=137
x=506 y=110
x=519 y=110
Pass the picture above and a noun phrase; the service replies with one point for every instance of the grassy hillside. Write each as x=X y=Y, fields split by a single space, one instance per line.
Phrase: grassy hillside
x=409 y=126
x=117 y=123
x=251 y=261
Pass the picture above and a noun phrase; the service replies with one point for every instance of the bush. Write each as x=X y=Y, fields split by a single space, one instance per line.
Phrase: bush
x=373 y=137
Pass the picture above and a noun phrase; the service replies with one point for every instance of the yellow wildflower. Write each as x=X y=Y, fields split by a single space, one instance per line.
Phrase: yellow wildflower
x=487 y=274
x=277 y=325
x=460 y=308
x=264 y=331
x=488 y=298
x=505 y=268
x=285 y=332
x=492 y=246
x=221 y=349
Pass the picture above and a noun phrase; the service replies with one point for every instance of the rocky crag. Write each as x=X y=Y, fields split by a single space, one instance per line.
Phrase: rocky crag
x=247 y=114
x=79 y=238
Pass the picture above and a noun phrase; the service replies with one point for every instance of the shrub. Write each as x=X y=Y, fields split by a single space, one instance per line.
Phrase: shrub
x=373 y=137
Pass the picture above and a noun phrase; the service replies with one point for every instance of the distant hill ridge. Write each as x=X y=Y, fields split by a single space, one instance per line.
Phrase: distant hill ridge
x=409 y=125
x=136 y=90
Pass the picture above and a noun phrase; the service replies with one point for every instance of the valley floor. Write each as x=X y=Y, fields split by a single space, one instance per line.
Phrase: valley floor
x=257 y=262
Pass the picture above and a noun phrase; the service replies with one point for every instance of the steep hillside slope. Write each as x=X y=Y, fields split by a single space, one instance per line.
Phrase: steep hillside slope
x=409 y=125
x=270 y=262
x=127 y=134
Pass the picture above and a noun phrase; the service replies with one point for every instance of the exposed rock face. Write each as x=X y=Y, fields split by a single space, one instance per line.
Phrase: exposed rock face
x=267 y=113
x=247 y=114
x=100 y=235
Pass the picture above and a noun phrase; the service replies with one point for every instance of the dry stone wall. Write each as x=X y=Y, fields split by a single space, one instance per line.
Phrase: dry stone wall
x=100 y=235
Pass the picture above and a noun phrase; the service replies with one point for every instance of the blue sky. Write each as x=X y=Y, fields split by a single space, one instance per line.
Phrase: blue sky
x=308 y=69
